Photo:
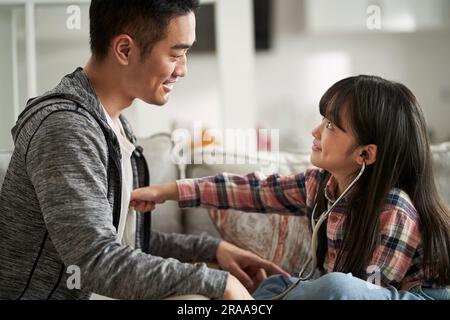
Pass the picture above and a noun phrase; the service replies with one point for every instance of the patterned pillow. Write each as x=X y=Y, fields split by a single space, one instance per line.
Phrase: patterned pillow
x=282 y=239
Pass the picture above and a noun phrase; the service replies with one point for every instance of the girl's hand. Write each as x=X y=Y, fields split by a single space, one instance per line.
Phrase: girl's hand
x=145 y=199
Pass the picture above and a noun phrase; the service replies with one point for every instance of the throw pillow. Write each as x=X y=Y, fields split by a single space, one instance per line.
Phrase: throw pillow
x=282 y=239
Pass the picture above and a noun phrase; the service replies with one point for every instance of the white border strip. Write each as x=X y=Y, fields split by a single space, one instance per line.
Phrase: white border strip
x=15 y=63
x=30 y=28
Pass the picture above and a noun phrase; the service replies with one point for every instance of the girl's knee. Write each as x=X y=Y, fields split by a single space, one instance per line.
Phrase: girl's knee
x=278 y=279
x=338 y=285
x=332 y=286
x=337 y=279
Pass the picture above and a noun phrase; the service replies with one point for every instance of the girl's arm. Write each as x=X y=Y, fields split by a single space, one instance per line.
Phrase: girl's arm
x=254 y=192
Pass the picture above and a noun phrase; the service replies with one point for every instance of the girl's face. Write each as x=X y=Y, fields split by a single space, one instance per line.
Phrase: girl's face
x=335 y=149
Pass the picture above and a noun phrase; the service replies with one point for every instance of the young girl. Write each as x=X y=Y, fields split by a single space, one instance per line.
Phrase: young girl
x=384 y=229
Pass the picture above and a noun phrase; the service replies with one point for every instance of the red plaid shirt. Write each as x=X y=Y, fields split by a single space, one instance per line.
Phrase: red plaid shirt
x=398 y=260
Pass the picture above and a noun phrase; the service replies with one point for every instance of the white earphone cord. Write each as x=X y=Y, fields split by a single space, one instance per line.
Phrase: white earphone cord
x=316 y=228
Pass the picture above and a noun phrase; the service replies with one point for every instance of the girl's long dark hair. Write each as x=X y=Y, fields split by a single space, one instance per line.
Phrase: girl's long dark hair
x=388 y=115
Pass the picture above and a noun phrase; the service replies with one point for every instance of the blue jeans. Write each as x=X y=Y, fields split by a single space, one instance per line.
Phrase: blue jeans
x=340 y=286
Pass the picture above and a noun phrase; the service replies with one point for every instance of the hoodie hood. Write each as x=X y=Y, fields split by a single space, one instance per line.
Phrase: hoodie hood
x=73 y=88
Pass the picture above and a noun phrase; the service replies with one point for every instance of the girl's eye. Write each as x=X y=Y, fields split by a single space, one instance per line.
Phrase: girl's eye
x=329 y=125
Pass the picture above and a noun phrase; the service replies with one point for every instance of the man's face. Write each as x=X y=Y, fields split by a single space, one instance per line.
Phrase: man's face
x=153 y=79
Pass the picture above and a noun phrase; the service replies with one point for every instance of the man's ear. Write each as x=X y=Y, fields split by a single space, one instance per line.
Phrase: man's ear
x=368 y=154
x=122 y=47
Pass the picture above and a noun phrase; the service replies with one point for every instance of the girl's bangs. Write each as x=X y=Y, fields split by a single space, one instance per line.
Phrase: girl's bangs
x=334 y=101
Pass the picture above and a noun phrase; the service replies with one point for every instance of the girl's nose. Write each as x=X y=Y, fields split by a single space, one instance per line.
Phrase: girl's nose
x=316 y=132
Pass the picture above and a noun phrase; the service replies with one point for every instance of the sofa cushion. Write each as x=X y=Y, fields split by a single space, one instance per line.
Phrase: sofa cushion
x=157 y=151
x=441 y=166
x=5 y=157
x=197 y=220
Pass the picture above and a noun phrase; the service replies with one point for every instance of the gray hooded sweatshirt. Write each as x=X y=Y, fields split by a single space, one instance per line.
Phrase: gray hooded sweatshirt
x=60 y=208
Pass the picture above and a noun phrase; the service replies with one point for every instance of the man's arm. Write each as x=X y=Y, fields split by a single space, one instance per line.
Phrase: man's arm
x=67 y=164
x=186 y=248
x=243 y=264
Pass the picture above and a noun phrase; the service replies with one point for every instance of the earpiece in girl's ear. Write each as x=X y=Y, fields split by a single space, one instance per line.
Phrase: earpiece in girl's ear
x=364 y=154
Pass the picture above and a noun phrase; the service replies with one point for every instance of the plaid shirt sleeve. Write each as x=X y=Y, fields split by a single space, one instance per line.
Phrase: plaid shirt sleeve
x=399 y=240
x=254 y=192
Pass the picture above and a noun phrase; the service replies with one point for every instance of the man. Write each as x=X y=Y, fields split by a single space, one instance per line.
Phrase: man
x=65 y=197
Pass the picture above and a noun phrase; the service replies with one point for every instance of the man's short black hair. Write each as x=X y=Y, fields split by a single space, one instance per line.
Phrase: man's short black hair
x=146 y=21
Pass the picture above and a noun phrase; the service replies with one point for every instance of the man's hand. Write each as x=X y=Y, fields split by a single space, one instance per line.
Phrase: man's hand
x=246 y=266
x=145 y=199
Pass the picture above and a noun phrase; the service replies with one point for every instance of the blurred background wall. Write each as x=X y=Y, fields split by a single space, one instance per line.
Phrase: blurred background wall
x=259 y=64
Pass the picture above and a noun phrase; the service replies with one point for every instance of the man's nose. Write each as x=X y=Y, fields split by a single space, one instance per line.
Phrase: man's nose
x=181 y=69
